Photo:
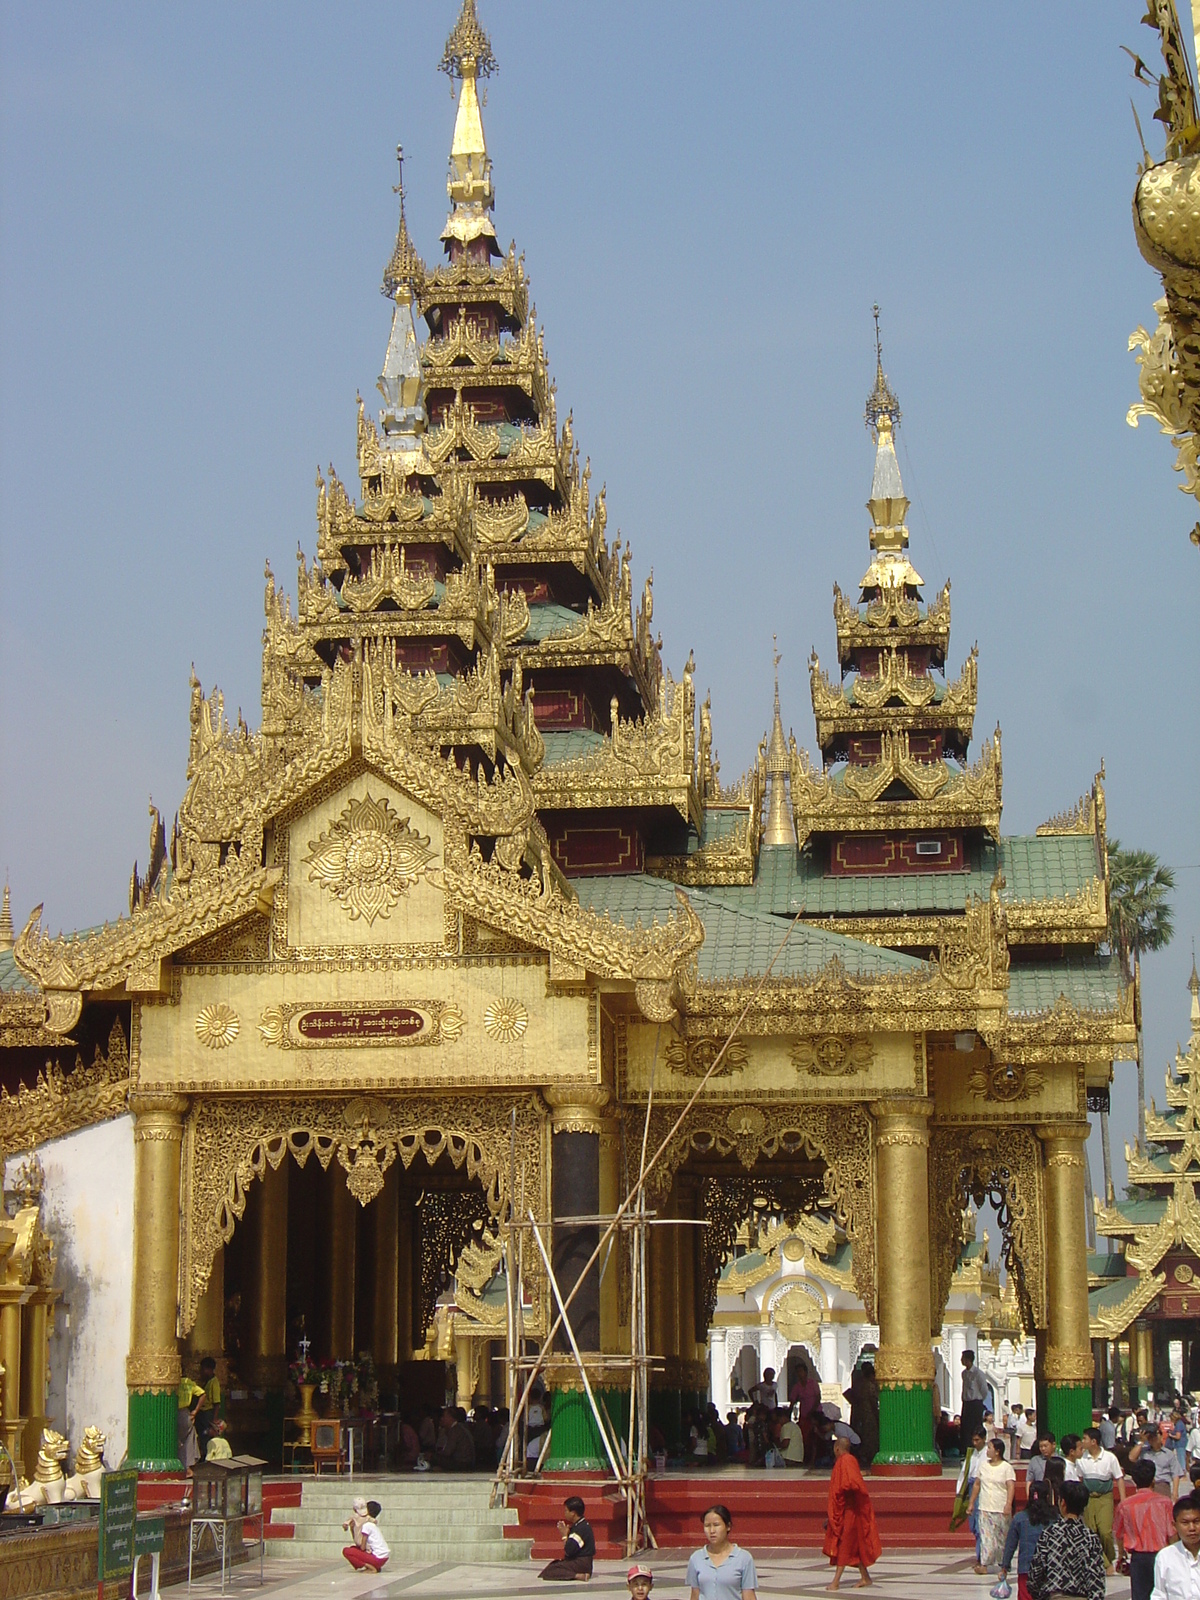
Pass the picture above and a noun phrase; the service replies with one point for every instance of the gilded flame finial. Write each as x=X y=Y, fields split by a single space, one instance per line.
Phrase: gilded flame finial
x=468 y=51
x=405 y=269
x=6 y=923
x=781 y=827
x=1193 y=985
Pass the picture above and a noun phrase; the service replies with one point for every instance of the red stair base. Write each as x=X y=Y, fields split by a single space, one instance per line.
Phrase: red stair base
x=778 y=1510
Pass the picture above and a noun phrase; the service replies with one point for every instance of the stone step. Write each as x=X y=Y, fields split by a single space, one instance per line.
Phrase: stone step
x=312 y=1524
x=429 y=1517
x=412 y=1553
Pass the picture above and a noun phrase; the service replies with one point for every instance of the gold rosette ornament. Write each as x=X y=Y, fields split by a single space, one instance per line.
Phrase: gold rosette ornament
x=368 y=858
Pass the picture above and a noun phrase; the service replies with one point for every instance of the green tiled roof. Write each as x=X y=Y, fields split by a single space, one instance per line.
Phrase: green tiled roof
x=565 y=744
x=545 y=620
x=1109 y=1294
x=1111 y=1265
x=739 y=943
x=1090 y=983
x=1142 y=1213
x=1034 y=869
x=12 y=979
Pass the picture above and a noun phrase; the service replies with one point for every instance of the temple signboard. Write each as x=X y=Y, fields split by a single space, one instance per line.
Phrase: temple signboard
x=300 y=1027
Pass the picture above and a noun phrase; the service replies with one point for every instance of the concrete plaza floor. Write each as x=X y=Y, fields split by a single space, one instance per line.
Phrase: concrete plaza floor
x=908 y=1575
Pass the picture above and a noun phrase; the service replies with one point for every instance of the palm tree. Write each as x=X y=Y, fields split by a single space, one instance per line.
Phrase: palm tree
x=1139 y=918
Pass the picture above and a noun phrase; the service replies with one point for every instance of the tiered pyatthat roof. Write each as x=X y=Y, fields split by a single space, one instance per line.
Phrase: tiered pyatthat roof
x=471 y=588
x=1160 y=1221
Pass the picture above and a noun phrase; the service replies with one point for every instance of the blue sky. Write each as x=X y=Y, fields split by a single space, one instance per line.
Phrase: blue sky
x=195 y=209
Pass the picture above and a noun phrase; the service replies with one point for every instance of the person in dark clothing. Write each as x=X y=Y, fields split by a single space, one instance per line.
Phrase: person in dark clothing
x=579 y=1546
x=1069 y=1558
x=974 y=1393
x=455 y=1450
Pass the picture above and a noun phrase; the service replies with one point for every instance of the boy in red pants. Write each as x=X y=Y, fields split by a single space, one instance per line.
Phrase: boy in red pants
x=369 y=1550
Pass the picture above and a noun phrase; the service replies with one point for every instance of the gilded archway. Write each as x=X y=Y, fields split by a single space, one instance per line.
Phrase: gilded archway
x=229 y=1142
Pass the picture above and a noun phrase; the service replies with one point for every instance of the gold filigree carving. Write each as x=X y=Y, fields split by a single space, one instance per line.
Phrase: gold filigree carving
x=505 y=1019
x=62 y=1102
x=1003 y=1081
x=904 y=1366
x=693 y=1057
x=1004 y=1166
x=217 y=1026
x=831 y=1055
x=1068 y=1366
x=368 y=858
x=152 y=1370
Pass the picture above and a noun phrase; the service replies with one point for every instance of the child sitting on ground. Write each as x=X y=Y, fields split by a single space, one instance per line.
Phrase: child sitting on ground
x=369 y=1549
x=579 y=1545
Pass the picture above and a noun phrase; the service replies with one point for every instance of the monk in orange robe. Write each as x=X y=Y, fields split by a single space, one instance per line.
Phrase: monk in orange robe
x=851 y=1537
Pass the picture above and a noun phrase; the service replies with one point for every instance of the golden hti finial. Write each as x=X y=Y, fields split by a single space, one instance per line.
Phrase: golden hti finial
x=468 y=57
x=468 y=50
x=6 y=923
x=1193 y=985
x=888 y=505
x=405 y=269
x=781 y=826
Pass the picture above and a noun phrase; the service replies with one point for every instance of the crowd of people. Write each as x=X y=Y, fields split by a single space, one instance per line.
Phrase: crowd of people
x=1122 y=1495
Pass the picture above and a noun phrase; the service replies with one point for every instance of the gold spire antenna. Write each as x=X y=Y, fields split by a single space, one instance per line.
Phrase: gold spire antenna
x=881 y=402
x=405 y=266
x=6 y=922
x=781 y=827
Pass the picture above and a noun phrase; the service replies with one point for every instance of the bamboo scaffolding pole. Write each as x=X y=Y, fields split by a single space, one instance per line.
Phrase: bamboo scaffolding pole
x=587 y=1387
x=647 y=1168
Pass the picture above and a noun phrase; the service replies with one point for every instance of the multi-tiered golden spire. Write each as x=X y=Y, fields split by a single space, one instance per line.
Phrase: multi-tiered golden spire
x=400 y=380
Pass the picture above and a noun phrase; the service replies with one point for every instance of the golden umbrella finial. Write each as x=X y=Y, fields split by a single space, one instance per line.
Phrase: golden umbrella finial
x=468 y=44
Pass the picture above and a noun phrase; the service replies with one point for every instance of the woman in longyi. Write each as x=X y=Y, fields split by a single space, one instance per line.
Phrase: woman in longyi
x=851 y=1537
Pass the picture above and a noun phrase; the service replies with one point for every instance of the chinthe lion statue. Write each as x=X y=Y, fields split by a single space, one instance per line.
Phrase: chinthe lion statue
x=49 y=1483
x=84 y=1482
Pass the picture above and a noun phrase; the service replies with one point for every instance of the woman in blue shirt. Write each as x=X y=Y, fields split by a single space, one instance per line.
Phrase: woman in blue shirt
x=720 y=1569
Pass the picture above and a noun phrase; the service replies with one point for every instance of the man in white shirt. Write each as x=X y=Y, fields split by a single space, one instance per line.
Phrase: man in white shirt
x=1101 y=1475
x=1177 y=1568
x=1071 y=1445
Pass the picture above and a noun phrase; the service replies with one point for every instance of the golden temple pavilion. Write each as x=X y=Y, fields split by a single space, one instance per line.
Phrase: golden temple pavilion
x=1147 y=1292
x=474 y=902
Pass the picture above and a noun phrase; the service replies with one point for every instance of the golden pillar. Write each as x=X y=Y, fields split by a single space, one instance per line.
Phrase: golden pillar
x=1067 y=1365
x=12 y=1297
x=35 y=1370
x=1143 y=1358
x=663 y=1321
x=693 y=1376
x=266 y=1281
x=483 y=1377
x=904 y=1364
x=343 y=1247
x=152 y=1369
x=207 y=1337
x=386 y=1341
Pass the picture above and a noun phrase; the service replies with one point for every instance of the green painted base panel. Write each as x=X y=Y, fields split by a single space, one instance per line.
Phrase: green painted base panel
x=1068 y=1408
x=906 y=1426
x=575 y=1443
x=153 y=1432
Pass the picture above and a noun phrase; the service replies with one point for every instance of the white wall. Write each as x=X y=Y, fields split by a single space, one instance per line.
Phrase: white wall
x=87 y=1208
